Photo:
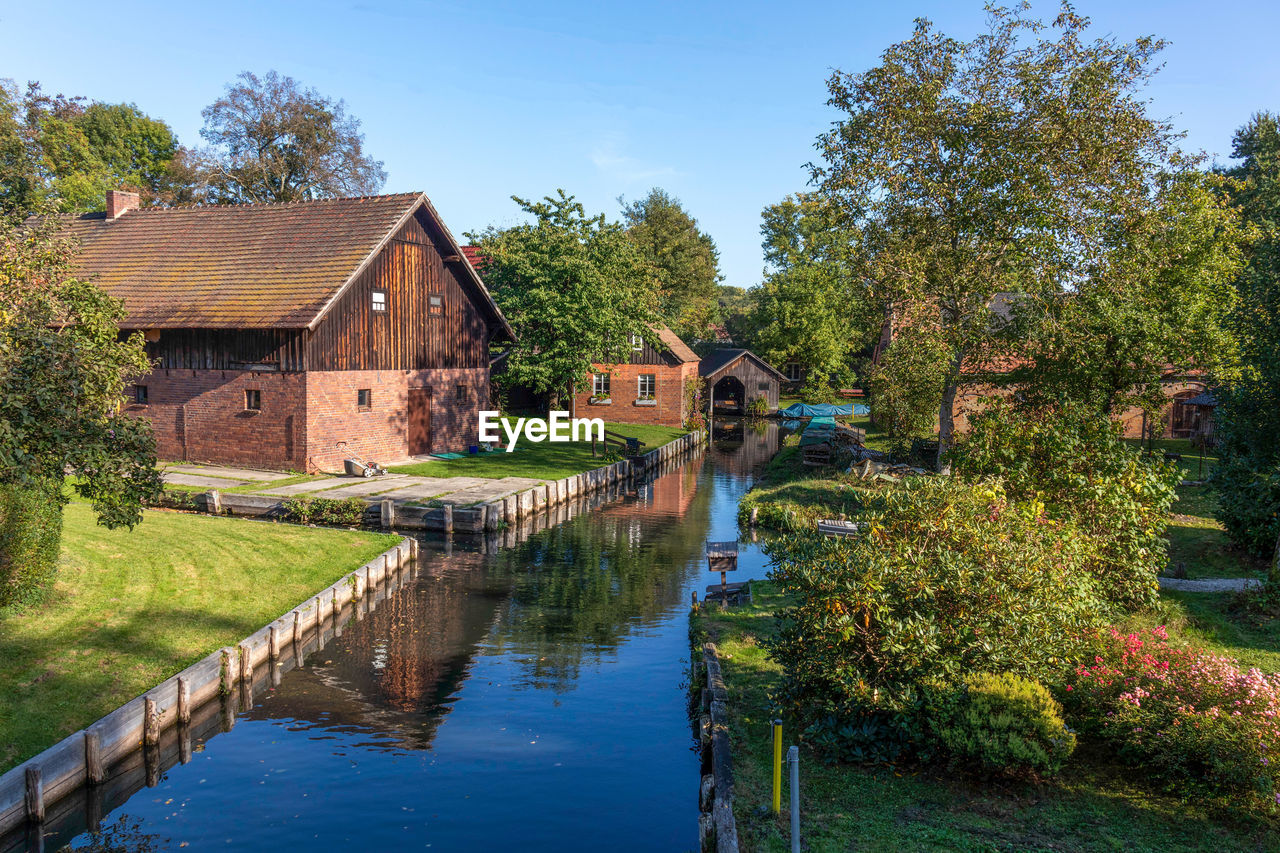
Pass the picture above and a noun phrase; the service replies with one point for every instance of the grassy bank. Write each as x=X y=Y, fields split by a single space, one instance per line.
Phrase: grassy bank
x=130 y=608
x=1092 y=806
x=540 y=461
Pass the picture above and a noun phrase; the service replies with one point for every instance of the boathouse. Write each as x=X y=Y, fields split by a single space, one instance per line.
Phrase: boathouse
x=291 y=336
x=649 y=388
x=735 y=377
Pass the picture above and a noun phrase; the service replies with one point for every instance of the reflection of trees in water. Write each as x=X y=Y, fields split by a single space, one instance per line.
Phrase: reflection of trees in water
x=579 y=589
x=124 y=835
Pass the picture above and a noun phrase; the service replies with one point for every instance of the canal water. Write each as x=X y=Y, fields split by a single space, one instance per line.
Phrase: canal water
x=530 y=699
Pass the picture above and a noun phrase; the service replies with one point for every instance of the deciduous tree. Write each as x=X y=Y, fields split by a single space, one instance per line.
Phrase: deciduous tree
x=974 y=168
x=686 y=260
x=273 y=140
x=575 y=289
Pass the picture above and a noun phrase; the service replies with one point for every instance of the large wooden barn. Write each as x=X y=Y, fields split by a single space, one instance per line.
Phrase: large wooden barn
x=290 y=336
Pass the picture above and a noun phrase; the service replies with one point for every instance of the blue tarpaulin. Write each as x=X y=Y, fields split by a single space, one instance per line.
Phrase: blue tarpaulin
x=819 y=410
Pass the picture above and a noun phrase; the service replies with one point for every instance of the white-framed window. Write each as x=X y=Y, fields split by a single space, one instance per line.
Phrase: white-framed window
x=794 y=371
x=600 y=385
x=637 y=343
x=646 y=385
x=378 y=300
x=435 y=303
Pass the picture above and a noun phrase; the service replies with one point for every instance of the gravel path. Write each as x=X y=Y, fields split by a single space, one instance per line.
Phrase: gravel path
x=1208 y=584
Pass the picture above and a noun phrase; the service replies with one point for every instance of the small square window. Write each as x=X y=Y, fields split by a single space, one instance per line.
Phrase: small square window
x=435 y=303
x=378 y=300
x=794 y=372
x=637 y=343
x=252 y=400
x=140 y=394
x=763 y=386
x=364 y=400
x=647 y=386
x=460 y=393
x=600 y=385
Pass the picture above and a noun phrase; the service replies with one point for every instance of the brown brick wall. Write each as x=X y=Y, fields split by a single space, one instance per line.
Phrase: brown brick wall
x=381 y=435
x=200 y=416
x=669 y=394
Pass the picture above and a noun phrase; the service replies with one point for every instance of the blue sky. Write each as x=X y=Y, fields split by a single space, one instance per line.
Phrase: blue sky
x=718 y=103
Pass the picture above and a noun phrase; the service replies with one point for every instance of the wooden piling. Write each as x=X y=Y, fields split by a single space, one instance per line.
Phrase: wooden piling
x=388 y=513
x=93 y=809
x=94 y=770
x=448 y=518
x=228 y=674
x=35 y=794
x=273 y=644
x=184 y=743
x=213 y=502
x=150 y=722
x=297 y=636
x=246 y=666
x=184 y=701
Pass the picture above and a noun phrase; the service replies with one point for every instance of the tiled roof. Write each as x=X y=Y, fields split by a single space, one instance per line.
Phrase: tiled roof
x=239 y=266
x=674 y=345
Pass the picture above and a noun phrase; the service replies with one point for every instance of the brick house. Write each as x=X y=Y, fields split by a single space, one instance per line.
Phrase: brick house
x=648 y=389
x=289 y=336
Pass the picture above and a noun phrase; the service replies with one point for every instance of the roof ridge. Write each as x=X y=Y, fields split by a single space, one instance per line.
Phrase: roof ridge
x=240 y=205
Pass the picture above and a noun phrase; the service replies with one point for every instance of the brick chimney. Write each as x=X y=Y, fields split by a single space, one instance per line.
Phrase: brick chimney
x=119 y=202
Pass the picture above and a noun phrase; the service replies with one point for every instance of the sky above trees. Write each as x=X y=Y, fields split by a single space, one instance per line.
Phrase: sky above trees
x=717 y=103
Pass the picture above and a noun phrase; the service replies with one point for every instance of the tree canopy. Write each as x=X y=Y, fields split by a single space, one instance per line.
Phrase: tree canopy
x=684 y=257
x=575 y=289
x=273 y=140
x=61 y=150
x=968 y=169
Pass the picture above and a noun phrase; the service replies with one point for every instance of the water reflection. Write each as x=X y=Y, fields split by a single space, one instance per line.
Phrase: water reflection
x=521 y=698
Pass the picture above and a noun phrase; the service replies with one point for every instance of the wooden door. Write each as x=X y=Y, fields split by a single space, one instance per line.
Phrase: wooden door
x=419 y=421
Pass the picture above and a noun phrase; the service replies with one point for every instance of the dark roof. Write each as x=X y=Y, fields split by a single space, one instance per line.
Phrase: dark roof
x=720 y=359
x=1205 y=398
x=674 y=345
x=245 y=266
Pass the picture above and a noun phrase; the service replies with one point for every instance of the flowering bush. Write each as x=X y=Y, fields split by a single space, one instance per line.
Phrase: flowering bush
x=1194 y=720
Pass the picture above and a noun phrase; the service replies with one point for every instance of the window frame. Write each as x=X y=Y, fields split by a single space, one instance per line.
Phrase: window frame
x=637 y=343
x=461 y=393
x=435 y=304
x=365 y=404
x=374 y=295
x=650 y=379
x=798 y=371
x=140 y=395
x=597 y=385
x=253 y=399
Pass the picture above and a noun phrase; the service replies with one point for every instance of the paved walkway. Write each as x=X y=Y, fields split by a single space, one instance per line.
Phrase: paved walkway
x=402 y=488
x=1208 y=584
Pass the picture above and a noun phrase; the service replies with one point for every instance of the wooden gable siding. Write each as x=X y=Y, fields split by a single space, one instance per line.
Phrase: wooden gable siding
x=753 y=377
x=228 y=349
x=651 y=355
x=407 y=336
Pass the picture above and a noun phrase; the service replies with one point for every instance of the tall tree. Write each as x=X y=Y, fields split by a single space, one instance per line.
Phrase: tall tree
x=575 y=289
x=273 y=140
x=60 y=149
x=974 y=168
x=1158 y=302
x=63 y=365
x=813 y=307
x=686 y=260
x=1248 y=479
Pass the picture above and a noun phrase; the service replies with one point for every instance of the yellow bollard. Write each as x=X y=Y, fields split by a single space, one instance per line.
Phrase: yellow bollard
x=777 y=766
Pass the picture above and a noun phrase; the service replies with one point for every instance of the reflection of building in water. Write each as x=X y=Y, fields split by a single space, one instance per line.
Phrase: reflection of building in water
x=396 y=670
x=670 y=495
x=743 y=446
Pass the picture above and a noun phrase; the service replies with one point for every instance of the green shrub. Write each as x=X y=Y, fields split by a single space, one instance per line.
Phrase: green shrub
x=791 y=440
x=1248 y=494
x=1074 y=461
x=1002 y=723
x=950 y=578
x=758 y=407
x=336 y=513
x=30 y=539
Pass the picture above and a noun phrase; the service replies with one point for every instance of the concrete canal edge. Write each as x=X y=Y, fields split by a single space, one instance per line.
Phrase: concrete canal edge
x=717 y=828
x=88 y=756
x=485 y=518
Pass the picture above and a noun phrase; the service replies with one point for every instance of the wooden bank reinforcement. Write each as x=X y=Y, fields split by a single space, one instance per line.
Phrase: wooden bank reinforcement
x=99 y=767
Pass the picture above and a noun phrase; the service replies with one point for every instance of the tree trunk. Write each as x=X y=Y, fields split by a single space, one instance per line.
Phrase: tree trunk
x=1273 y=576
x=946 y=413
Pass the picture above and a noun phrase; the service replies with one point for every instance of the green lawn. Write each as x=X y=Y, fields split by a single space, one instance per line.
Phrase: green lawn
x=131 y=608
x=541 y=461
x=1093 y=805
